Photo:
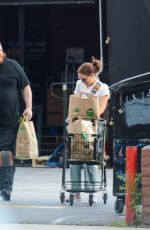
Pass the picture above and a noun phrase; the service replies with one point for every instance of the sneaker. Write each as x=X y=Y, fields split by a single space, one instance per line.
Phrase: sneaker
x=77 y=197
x=94 y=198
x=5 y=195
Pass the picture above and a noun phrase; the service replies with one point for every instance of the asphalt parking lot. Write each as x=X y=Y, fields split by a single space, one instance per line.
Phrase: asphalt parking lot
x=36 y=200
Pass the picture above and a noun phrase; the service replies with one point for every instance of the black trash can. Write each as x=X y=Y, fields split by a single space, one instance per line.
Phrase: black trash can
x=129 y=125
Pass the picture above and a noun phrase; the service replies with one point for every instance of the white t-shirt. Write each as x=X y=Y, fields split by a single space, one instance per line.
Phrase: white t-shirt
x=98 y=89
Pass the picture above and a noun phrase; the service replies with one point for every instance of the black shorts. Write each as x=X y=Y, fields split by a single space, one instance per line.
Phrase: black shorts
x=8 y=138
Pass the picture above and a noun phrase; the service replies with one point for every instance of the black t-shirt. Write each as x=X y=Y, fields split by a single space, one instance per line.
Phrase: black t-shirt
x=12 y=79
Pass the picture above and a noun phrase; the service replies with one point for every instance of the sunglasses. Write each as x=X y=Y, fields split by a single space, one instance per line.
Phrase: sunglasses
x=84 y=79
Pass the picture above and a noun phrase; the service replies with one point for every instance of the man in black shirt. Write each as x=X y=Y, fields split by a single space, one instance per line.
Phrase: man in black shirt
x=12 y=80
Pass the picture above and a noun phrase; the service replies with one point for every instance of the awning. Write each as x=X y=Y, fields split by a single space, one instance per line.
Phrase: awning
x=44 y=2
x=131 y=81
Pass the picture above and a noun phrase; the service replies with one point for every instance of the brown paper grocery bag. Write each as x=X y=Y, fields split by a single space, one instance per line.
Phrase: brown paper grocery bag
x=85 y=107
x=26 y=144
x=82 y=141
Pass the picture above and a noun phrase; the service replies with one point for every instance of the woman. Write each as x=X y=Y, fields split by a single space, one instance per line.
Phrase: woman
x=89 y=83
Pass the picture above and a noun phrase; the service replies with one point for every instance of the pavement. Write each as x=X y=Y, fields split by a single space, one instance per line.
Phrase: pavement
x=60 y=227
x=35 y=203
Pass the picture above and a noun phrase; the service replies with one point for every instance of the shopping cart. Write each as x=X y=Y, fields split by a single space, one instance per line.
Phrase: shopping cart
x=85 y=149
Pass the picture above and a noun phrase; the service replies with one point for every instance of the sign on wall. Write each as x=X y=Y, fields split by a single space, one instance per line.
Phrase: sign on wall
x=76 y=53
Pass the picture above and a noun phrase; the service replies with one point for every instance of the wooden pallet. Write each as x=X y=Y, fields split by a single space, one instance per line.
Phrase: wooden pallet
x=23 y=162
x=39 y=161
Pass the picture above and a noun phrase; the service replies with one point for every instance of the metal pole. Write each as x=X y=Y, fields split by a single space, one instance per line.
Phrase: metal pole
x=101 y=34
x=64 y=89
x=131 y=170
x=21 y=34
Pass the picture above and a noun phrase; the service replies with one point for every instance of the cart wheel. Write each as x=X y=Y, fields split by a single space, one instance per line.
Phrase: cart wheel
x=71 y=198
x=105 y=197
x=90 y=199
x=119 y=206
x=62 y=197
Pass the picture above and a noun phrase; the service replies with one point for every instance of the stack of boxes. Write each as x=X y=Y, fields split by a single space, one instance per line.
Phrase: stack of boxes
x=55 y=108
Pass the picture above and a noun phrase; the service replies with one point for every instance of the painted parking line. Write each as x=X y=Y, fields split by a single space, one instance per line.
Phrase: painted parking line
x=32 y=206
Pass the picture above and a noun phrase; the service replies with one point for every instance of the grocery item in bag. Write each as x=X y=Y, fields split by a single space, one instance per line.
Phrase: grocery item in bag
x=82 y=140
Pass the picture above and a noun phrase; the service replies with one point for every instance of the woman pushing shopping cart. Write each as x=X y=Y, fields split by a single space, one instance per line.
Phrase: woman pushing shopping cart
x=85 y=135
